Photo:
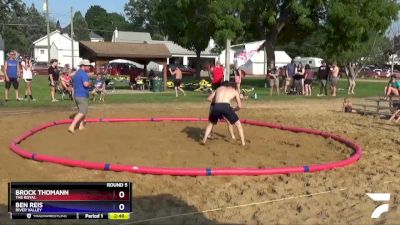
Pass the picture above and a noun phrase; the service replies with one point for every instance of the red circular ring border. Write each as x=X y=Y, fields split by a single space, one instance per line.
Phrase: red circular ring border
x=187 y=171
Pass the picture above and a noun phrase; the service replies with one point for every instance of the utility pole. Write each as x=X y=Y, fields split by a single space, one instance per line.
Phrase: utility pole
x=72 y=39
x=393 y=52
x=48 y=30
x=265 y=65
x=227 y=60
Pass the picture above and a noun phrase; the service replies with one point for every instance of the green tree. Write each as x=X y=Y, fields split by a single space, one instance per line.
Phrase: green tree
x=81 y=30
x=224 y=19
x=15 y=26
x=21 y=25
x=119 y=21
x=97 y=20
x=38 y=28
x=270 y=18
x=186 y=22
x=104 y=23
x=350 y=25
x=308 y=46
x=141 y=15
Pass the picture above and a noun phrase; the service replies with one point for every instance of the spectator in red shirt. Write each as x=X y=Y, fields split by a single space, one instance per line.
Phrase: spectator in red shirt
x=217 y=75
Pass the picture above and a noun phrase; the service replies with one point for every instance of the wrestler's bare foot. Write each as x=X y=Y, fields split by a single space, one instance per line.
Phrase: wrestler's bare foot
x=82 y=128
x=71 y=130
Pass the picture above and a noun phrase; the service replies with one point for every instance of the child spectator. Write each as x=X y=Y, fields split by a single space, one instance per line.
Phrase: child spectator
x=66 y=83
x=347 y=105
x=99 y=88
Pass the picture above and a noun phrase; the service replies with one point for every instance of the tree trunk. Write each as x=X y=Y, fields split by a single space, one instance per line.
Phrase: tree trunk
x=198 y=66
x=270 y=41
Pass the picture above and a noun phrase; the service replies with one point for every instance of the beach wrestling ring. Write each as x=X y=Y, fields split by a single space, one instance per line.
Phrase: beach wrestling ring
x=356 y=155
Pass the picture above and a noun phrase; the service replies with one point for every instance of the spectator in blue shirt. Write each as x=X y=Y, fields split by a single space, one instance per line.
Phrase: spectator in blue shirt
x=81 y=92
x=12 y=74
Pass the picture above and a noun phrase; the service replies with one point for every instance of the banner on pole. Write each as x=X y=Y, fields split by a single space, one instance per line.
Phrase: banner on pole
x=249 y=50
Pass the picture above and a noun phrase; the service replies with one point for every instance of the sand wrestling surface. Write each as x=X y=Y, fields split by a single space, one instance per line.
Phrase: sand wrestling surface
x=329 y=197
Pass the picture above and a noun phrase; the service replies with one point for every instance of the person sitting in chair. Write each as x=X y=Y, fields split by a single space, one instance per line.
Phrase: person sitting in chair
x=393 y=87
x=66 y=83
x=99 y=88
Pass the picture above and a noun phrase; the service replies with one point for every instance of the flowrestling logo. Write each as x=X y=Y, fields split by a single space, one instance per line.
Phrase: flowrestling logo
x=381 y=197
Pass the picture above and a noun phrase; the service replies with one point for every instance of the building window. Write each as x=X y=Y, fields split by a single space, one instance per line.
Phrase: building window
x=41 y=52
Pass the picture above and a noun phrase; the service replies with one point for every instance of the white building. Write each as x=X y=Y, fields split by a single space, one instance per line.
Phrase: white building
x=253 y=62
x=1 y=51
x=95 y=37
x=60 y=48
x=179 y=54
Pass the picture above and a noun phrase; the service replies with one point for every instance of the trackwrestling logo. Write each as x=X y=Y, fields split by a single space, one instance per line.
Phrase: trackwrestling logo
x=381 y=208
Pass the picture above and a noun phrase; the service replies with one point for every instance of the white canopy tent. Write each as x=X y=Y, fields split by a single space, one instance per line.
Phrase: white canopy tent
x=138 y=65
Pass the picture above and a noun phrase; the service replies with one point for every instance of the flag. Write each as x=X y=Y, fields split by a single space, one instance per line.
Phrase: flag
x=248 y=52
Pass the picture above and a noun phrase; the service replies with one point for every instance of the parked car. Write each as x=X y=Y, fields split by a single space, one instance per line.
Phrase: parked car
x=374 y=72
x=395 y=72
x=40 y=68
x=186 y=70
x=121 y=69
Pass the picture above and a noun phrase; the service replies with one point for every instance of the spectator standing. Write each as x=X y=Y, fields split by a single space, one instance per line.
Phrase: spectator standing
x=238 y=75
x=272 y=76
x=282 y=77
x=298 y=77
x=308 y=76
x=12 y=75
x=290 y=72
x=334 y=78
x=217 y=75
x=54 y=77
x=352 y=78
x=27 y=76
x=323 y=74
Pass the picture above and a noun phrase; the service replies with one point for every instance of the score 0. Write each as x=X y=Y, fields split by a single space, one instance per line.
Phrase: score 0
x=121 y=195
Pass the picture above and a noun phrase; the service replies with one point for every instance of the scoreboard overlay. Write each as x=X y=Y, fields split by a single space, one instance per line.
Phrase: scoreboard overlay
x=70 y=200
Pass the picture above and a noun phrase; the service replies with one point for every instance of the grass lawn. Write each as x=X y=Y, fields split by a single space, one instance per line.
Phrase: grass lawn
x=41 y=91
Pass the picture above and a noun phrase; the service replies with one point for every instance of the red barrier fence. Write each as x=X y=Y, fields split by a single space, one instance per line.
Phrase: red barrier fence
x=186 y=171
